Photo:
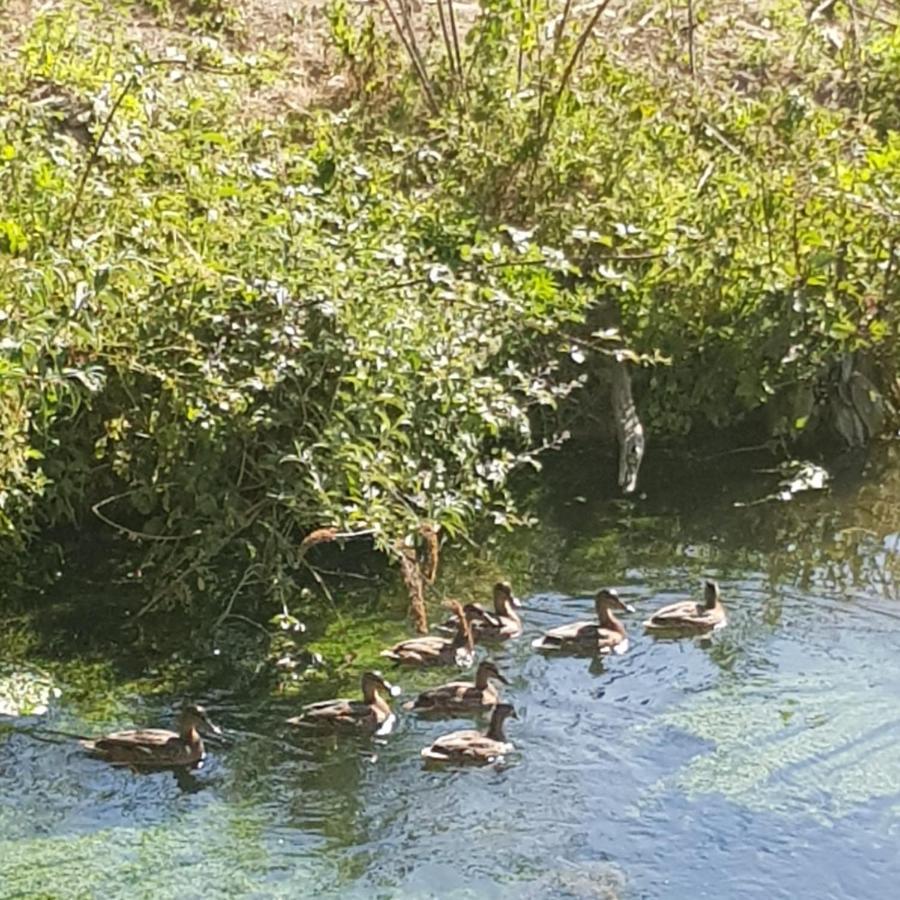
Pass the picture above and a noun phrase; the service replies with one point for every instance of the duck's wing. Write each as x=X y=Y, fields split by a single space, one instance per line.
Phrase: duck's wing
x=676 y=614
x=471 y=745
x=441 y=695
x=710 y=618
x=339 y=713
x=566 y=634
x=445 y=747
x=478 y=616
x=486 y=748
x=148 y=738
x=152 y=745
x=426 y=644
x=325 y=709
x=416 y=649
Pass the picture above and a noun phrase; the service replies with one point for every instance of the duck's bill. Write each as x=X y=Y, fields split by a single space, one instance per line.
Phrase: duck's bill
x=213 y=729
x=516 y=602
x=628 y=607
x=394 y=690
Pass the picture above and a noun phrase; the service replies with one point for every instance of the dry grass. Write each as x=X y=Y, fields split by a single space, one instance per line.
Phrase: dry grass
x=740 y=45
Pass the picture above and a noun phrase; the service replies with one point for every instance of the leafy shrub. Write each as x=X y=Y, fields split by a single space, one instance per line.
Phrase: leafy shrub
x=221 y=334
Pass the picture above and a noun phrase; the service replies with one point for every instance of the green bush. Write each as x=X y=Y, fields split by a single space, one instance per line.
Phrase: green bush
x=222 y=331
x=222 y=339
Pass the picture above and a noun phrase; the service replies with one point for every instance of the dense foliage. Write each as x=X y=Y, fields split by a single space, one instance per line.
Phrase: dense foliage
x=222 y=330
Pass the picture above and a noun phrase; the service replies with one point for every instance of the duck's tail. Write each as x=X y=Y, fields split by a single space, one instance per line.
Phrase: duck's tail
x=545 y=643
x=432 y=755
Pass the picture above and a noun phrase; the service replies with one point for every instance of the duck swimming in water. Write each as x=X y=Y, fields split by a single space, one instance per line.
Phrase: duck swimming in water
x=690 y=616
x=156 y=747
x=471 y=746
x=461 y=696
x=503 y=623
x=431 y=650
x=606 y=635
x=372 y=714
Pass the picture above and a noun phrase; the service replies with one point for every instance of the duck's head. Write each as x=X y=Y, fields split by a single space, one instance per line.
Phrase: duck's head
x=711 y=594
x=503 y=596
x=195 y=717
x=375 y=681
x=488 y=669
x=606 y=600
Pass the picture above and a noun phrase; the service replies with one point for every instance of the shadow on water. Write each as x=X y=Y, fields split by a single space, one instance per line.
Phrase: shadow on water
x=759 y=762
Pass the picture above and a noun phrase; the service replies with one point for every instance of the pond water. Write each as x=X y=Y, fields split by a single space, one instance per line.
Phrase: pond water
x=762 y=762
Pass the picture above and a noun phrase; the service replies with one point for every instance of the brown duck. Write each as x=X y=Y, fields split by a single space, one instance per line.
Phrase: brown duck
x=503 y=623
x=474 y=746
x=156 y=747
x=606 y=635
x=372 y=714
x=431 y=650
x=461 y=696
x=690 y=616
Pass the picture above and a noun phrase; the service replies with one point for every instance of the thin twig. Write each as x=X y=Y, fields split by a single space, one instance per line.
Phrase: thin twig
x=130 y=532
x=95 y=154
x=448 y=47
x=238 y=617
x=234 y=594
x=455 y=35
x=250 y=517
x=561 y=29
x=420 y=71
x=413 y=40
x=321 y=582
x=690 y=31
x=520 y=58
x=566 y=76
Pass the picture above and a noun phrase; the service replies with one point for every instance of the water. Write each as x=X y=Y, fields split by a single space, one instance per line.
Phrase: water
x=763 y=762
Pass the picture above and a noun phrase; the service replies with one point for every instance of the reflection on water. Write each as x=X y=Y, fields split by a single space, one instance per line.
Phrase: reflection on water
x=763 y=761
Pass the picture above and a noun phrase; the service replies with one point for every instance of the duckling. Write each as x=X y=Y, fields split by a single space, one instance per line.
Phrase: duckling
x=431 y=650
x=156 y=747
x=373 y=714
x=689 y=615
x=503 y=623
x=472 y=746
x=605 y=636
x=461 y=696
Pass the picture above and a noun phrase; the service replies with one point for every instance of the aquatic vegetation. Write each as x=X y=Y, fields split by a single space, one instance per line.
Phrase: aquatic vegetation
x=822 y=750
x=25 y=690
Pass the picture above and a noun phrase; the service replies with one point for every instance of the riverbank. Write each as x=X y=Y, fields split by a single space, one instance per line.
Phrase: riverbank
x=242 y=334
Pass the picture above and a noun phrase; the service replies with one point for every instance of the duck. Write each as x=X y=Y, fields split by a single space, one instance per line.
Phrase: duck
x=371 y=715
x=472 y=746
x=156 y=747
x=501 y=624
x=607 y=635
x=695 y=617
x=431 y=650
x=461 y=696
